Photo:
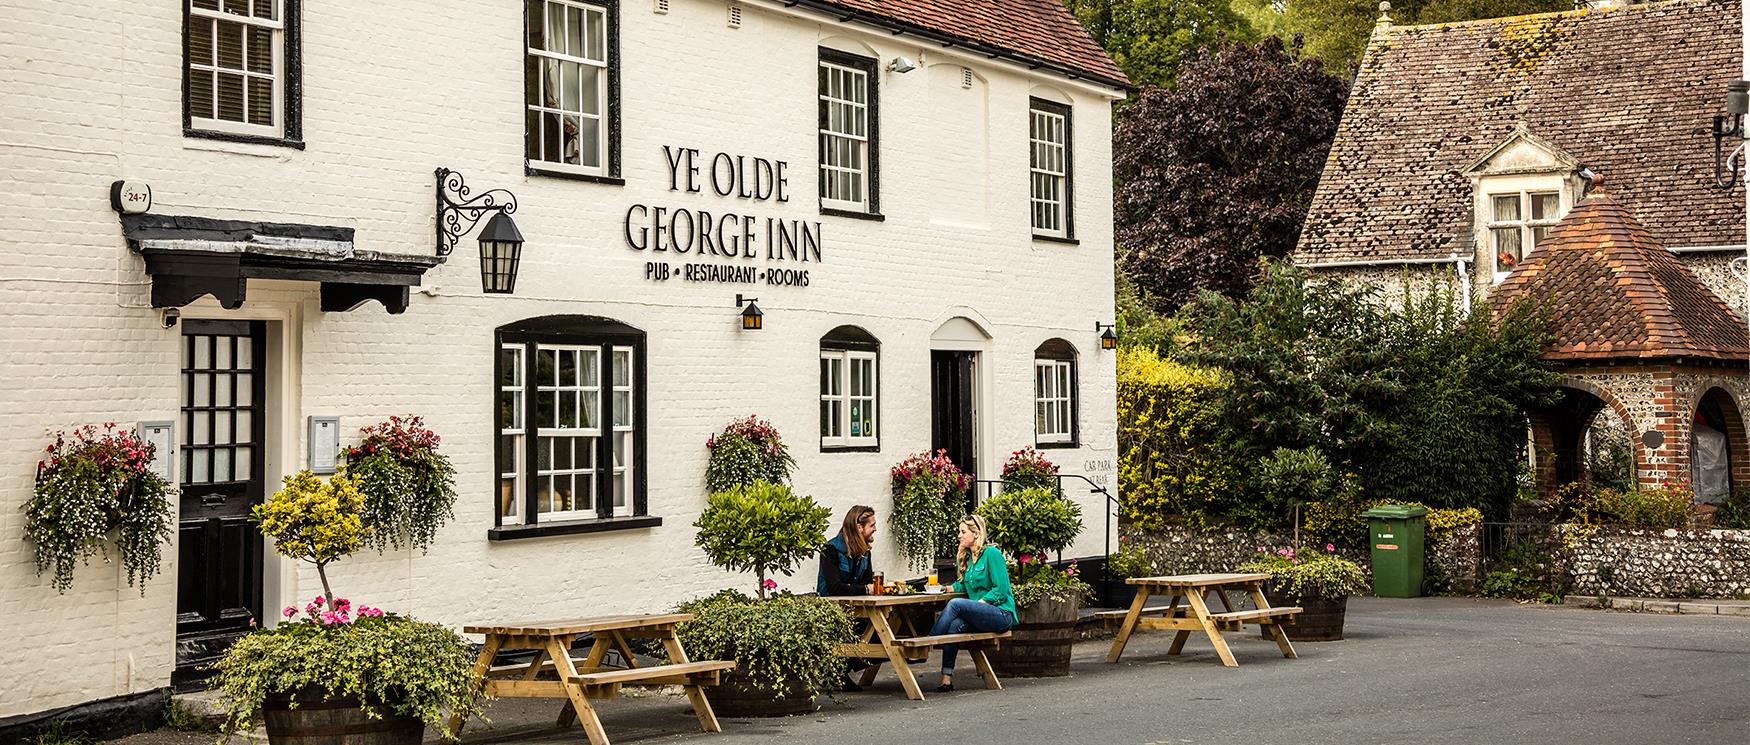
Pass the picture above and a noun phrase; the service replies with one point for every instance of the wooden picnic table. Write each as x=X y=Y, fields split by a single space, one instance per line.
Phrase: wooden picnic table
x=883 y=640
x=582 y=680
x=1196 y=615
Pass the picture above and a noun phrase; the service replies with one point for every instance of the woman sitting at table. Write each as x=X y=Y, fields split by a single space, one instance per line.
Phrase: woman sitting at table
x=989 y=605
x=845 y=568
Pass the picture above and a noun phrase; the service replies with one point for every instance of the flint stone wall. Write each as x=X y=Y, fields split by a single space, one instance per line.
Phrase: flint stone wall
x=1183 y=550
x=1661 y=563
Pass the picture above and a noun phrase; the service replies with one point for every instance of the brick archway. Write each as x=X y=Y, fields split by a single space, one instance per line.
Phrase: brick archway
x=1715 y=406
x=1558 y=432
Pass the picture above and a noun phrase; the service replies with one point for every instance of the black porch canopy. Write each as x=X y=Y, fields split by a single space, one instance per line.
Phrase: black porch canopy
x=193 y=256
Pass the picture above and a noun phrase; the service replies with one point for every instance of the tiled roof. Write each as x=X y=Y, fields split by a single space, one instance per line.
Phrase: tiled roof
x=1615 y=293
x=1041 y=29
x=1630 y=93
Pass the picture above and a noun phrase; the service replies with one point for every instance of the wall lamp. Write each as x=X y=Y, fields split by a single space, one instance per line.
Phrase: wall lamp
x=501 y=244
x=902 y=65
x=1109 y=339
x=752 y=318
x=1730 y=124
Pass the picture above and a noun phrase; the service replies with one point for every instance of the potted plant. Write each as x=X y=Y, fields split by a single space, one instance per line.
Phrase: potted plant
x=409 y=489
x=746 y=451
x=336 y=673
x=1028 y=469
x=929 y=496
x=94 y=486
x=1129 y=561
x=1029 y=524
x=783 y=646
x=1319 y=582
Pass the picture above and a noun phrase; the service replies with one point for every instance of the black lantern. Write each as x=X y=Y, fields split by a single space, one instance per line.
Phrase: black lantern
x=501 y=244
x=1108 y=339
x=752 y=318
x=1730 y=124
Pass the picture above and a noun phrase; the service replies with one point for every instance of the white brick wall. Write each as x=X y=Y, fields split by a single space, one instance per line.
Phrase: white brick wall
x=93 y=94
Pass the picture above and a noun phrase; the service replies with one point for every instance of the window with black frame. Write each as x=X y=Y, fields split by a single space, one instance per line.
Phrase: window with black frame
x=570 y=427
x=570 y=87
x=1054 y=395
x=1050 y=175
x=241 y=65
x=849 y=142
x=850 y=390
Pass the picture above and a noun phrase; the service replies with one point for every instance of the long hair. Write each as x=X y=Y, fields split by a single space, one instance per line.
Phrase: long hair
x=852 y=531
x=968 y=555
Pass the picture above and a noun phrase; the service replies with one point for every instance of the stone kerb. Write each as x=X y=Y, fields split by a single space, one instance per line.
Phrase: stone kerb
x=1660 y=563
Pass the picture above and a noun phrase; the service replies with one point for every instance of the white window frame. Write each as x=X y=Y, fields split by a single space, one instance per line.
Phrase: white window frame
x=573 y=434
x=599 y=62
x=512 y=512
x=1054 y=400
x=842 y=399
x=857 y=145
x=623 y=468
x=1528 y=227
x=276 y=75
x=1048 y=170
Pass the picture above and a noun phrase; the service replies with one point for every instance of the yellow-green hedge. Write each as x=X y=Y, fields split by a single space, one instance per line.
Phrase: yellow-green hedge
x=1339 y=522
x=1169 y=468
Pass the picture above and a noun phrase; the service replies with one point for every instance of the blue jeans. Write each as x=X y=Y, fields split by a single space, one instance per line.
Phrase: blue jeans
x=963 y=615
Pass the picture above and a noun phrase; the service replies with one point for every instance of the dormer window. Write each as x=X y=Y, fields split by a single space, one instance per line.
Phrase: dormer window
x=1517 y=222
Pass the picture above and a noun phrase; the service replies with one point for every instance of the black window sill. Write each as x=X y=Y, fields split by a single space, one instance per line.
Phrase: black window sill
x=1055 y=239
x=533 y=170
x=570 y=527
x=207 y=134
x=850 y=448
x=854 y=215
x=1071 y=445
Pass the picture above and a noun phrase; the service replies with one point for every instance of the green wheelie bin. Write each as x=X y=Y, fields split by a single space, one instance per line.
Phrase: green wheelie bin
x=1396 y=531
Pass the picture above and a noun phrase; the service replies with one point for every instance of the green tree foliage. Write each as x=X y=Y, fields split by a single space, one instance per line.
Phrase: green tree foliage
x=760 y=527
x=1147 y=38
x=1031 y=521
x=1172 y=461
x=786 y=645
x=1417 y=403
x=1219 y=170
x=1337 y=31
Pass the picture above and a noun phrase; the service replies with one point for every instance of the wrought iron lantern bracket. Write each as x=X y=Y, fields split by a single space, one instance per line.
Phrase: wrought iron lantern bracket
x=458 y=210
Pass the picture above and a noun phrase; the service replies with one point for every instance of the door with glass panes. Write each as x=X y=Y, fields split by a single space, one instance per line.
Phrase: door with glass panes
x=219 y=565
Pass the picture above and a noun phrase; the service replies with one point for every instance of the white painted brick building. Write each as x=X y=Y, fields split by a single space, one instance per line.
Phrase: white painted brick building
x=96 y=93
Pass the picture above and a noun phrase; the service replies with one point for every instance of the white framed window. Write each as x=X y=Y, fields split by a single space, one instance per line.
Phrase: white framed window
x=849 y=398
x=847 y=132
x=1517 y=222
x=1049 y=168
x=237 y=59
x=1054 y=394
x=570 y=446
x=567 y=123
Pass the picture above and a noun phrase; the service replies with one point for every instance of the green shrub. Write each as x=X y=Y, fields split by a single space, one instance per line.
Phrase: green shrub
x=409 y=489
x=181 y=719
x=1579 y=504
x=786 y=644
x=929 y=497
x=1291 y=478
x=1172 y=466
x=760 y=527
x=1735 y=511
x=1525 y=571
x=1045 y=582
x=1309 y=572
x=1031 y=522
x=746 y=451
x=1130 y=561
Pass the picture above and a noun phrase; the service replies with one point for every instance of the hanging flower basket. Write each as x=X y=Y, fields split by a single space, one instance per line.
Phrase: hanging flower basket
x=93 y=487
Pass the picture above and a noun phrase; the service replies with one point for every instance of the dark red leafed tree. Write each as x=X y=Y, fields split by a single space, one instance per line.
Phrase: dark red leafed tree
x=1218 y=170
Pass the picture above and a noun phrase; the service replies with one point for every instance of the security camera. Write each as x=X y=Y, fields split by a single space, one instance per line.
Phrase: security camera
x=170 y=317
x=902 y=65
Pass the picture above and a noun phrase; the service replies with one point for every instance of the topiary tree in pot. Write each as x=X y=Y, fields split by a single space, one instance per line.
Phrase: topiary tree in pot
x=1030 y=524
x=783 y=645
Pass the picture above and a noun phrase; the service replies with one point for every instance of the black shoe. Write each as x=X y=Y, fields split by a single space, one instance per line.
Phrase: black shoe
x=849 y=685
x=945 y=688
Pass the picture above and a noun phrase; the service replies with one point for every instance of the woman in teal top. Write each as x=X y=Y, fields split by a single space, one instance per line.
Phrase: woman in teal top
x=989 y=604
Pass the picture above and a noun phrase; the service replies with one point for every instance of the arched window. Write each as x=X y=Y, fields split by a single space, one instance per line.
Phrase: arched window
x=850 y=390
x=570 y=422
x=1054 y=395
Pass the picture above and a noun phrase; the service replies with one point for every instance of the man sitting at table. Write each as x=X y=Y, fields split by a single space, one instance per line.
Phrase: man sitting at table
x=845 y=566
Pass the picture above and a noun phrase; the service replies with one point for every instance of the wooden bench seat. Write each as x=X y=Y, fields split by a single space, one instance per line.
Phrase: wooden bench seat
x=1253 y=616
x=1118 y=615
x=914 y=642
x=606 y=683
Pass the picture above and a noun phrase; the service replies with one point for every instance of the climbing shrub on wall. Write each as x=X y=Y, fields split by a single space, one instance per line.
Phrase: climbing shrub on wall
x=1171 y=465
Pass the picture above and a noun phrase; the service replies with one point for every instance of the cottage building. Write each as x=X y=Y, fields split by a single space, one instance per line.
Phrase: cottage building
x=237 y=225
x=1464 y=145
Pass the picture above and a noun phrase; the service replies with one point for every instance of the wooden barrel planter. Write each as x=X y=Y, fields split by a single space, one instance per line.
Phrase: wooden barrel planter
x=1041 y=642
x=320 y=720
x=1320 y=619
x=738 y=697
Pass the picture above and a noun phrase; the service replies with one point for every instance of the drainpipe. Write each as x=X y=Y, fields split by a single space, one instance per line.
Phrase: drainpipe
x=1463 y=268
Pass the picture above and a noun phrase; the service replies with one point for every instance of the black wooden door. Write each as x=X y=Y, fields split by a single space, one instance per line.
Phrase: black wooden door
x=952 y=391
x=219 y=571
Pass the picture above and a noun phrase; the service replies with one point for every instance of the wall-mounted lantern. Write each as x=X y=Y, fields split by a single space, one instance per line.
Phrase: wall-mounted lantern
x=501 y=244
x=752 y=318
x=1108 y=339
x=1730 y=124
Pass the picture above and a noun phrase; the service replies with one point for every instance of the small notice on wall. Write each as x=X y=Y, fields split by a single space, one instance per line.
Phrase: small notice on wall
x=324 y=444
x=162 y=437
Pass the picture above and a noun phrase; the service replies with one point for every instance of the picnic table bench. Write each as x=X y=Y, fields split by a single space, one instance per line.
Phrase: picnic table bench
x=580 y=680
x=881 y=640
x=1196 y=614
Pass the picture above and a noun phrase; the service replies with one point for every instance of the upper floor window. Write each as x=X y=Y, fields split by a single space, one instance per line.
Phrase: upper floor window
x=570 y=432
x=1517 y=223
x=1049 y=160
x=241 y=62
x=848 y=155
x=569 y=82
x=849 y=389
x=1054 y=394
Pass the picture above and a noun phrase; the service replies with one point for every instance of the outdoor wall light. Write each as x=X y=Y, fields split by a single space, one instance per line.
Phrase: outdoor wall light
x=501 y=244
x=1109 y=339
x=1730 y=124
x=902 y=65
x=752 y=318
